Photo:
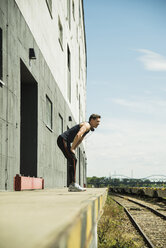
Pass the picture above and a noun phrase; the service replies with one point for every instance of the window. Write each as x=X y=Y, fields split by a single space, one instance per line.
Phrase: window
x=69 y=12
x=68 y=74
x=60 y=124
x=1 y=66
x=60 y=33
x=48 y=113
x=49 y=5
x=73 y=9
x=68 y=58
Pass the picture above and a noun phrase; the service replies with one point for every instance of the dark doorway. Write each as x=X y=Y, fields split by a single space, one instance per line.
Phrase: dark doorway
x=28 y=143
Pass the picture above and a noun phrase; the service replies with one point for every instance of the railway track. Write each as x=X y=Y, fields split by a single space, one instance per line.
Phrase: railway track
x=160 y=206
x=150 y=222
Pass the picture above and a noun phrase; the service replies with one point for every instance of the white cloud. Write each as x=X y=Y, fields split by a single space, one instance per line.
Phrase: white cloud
x=152 y=61
x=148 y=104
x=124 y=146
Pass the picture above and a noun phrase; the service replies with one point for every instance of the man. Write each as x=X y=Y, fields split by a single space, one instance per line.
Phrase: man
x=75 y=135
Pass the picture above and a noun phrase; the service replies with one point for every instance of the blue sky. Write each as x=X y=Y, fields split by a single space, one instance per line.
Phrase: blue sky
x=126 y=84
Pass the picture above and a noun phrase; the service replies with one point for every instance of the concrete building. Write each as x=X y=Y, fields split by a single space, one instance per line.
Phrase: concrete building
x=42 y=88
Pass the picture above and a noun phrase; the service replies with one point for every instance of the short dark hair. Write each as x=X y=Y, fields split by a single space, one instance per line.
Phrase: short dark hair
x=94 y=116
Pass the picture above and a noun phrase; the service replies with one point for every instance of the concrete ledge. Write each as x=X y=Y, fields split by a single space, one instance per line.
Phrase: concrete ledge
x=50 y=218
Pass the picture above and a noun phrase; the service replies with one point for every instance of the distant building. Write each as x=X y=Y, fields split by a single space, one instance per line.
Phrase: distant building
x=42 y=87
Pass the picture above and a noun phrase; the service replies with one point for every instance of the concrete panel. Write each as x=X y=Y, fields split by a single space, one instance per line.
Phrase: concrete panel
x=134 y=190
x=3 y=7
x=1 y=141
x=3 y=138
x=13 y=17
x=12 y=170
x=13 y=70
x=3 y=102
x=2 y=172
x=150 y=192
x=161 y=193
x=12 y=109
x=128 y=190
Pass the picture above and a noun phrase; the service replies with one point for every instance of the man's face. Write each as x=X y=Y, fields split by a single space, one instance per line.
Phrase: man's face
x=95 y=122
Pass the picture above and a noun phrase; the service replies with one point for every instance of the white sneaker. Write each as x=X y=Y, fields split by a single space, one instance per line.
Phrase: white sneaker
x=74 y=187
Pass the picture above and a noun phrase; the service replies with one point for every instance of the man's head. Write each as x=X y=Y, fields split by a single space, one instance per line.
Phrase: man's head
x=94 y=120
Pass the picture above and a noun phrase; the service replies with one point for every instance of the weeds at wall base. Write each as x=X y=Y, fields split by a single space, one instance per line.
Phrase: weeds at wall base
x=114 y=230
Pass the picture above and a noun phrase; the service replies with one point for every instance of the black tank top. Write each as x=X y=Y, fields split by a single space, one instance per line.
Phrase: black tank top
x=70 y=134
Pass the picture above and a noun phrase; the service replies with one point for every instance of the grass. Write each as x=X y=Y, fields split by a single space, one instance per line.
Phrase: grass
x=113 y=229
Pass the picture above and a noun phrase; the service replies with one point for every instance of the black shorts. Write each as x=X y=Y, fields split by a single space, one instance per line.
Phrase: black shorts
x=65 y=148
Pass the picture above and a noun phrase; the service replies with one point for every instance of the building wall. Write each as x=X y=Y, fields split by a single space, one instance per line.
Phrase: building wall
x=28 y=24
x=44 y=28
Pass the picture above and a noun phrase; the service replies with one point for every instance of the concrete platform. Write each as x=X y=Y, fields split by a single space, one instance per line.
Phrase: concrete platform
x=50 y=218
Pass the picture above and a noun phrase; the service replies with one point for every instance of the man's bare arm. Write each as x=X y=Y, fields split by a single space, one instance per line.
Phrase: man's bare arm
x=77 y=144
x=79 y=136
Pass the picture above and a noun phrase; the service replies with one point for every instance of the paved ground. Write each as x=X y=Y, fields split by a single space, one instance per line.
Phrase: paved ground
x=31 y=218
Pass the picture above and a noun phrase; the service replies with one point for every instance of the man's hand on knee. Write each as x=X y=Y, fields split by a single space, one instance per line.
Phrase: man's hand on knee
x=72 y=150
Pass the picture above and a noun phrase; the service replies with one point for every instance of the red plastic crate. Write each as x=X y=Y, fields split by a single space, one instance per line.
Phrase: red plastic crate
x=27 y=183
